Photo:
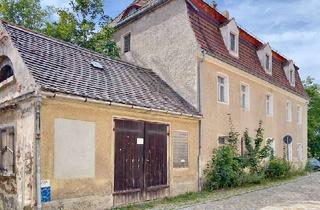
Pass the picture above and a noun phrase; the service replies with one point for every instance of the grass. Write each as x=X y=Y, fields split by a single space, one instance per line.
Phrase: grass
x=198 y=197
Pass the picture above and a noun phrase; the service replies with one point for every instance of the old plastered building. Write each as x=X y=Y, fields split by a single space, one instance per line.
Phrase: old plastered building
x=219 y=68
x=82 y=131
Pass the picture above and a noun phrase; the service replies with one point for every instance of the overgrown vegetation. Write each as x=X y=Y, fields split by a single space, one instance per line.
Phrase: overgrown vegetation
x=84 y=23
x=257 y=164
x=313 y=91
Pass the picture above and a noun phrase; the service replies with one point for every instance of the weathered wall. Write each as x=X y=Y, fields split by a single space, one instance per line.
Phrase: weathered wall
x=18 y=191
x=96 y=193
x=164 y=41
x=215 y=120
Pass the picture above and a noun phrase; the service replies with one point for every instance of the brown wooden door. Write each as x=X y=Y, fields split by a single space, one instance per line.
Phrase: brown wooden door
x=155 y=155
x=140 y=155
x=128 y=155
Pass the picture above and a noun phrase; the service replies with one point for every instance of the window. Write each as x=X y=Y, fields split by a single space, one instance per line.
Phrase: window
x=269 y=105
x=180 y=149
x=299 y=115
x=289 y=111
x=289 y=70
x=222 y=140
x=300 y=151
x=267 y=63
x=291 y=76
x=7 y=144
x=5 y=73
x=233 y=42
x=127 y=43
x=223 y=89
x=244 y=96
x=288 y=152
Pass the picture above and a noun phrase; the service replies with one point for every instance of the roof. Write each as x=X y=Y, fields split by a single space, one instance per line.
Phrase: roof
x=65 y=68
x=206 y=22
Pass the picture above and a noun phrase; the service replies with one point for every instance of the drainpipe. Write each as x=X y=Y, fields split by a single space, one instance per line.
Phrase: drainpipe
x=37 y=141
x=200 y=110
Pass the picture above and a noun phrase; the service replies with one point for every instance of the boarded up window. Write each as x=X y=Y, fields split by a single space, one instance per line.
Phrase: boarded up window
x=74 y=149
x=180 y=149
x=7 y=151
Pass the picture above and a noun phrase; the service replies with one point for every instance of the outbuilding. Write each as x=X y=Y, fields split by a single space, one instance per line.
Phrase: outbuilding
x=83 y=131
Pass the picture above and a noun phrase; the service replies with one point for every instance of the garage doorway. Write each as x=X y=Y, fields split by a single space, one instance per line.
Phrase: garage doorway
x=140 y=171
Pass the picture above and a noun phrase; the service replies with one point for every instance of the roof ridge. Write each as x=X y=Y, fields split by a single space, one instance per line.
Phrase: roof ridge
x=68 y=44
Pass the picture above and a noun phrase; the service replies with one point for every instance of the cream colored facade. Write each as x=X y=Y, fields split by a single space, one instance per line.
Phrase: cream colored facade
x=97 y=192
x=189 y=64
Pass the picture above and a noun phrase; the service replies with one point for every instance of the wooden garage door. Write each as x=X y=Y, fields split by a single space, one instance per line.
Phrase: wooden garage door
x=140 y=155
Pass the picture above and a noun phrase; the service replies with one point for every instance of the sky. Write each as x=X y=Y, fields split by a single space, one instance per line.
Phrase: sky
x=292 y=27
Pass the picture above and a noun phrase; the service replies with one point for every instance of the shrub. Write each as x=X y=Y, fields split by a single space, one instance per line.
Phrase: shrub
x=223 y=170
x=278 y=168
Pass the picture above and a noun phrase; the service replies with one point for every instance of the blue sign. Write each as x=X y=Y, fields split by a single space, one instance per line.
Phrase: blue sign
x=45 y=191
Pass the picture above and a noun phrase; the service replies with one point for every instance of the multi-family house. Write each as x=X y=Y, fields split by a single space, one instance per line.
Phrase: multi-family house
x=219 y=68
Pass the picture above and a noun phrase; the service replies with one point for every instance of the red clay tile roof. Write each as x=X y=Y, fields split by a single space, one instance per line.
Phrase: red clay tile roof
x=206 y=21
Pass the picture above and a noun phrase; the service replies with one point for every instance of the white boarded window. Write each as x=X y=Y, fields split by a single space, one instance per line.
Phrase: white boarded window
x=269 y=105
x=244 y=96
x=299 y=115
x=74 y=149
x=180 y=149
x=7 y=148
x=223 y=89
x=300 y=151
x=288 y=111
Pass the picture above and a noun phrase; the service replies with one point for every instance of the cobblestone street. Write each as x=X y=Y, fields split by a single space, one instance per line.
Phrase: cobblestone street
x=303 y=193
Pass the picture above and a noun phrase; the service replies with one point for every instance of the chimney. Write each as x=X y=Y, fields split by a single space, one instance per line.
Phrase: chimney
x=214 y=4
x=226 y=14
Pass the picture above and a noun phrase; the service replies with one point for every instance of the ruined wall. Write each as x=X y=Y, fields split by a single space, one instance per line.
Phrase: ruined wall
x=17 y=191
x=96 y=192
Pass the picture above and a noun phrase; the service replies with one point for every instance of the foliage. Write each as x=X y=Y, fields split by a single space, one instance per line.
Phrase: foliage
x=256 y=152
x=313 y=91
x=278 y=168
x=27 y=13
x=255 y=178
x=224 y=169
x=85 y=25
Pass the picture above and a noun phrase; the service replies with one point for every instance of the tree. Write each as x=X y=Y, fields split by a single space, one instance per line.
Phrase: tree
x=27 y=13
x=256 y=152
x=85 y=25
x=313 y=91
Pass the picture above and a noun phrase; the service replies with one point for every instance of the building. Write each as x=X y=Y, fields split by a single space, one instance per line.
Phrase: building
x=219 y=68
x=82 y=131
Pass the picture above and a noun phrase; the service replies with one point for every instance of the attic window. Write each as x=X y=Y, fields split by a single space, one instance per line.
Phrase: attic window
x=267 y=64
x=96 y=64
x=289 y=70
x=265 y=57
x=233 y=42
x=230 y=35
x=5 y=73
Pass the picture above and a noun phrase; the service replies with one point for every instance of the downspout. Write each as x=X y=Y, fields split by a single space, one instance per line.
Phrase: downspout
x=37 y=141
x=200 y=110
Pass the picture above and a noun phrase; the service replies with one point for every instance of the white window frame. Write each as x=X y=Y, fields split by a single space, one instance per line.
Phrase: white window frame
x=226 y=31
x=269 y=112
x=262 y=53
x=246 y=106
x=226 y=89
x=299 y=115
x=288 y=111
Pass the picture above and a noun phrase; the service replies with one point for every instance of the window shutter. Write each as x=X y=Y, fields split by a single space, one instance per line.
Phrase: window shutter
x=180 y=149
x=7 y=151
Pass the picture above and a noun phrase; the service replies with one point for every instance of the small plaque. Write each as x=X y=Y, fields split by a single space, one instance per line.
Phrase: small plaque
x=45 y=191
x=140 y=140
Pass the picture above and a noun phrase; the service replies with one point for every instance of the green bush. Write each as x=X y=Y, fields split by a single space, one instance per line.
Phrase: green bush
x=278 y=168
x=224 y=169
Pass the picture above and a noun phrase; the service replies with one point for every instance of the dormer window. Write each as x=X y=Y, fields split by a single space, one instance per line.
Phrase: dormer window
x=289 y=70
x=265 y=57
x=232 y=42
x=230 y=35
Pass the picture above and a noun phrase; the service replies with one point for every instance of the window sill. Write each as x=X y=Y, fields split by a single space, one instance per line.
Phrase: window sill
x=8 y=175
x=234 y=54
x=7 y=82
x=223 y=103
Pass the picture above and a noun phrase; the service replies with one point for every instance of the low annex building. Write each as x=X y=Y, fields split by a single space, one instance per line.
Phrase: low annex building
x=82 y=131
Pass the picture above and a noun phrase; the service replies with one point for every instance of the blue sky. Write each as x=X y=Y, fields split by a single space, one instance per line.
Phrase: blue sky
x=292 y=27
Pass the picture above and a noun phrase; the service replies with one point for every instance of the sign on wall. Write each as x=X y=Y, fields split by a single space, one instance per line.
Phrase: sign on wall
x=45 y=191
